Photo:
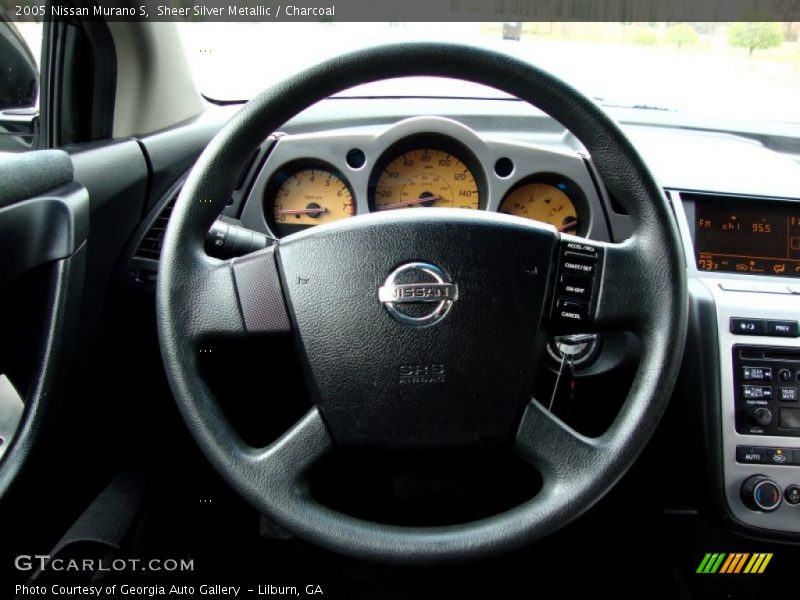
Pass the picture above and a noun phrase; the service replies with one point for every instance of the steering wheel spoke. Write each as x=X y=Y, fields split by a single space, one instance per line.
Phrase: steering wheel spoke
x=283 y=465
x=623 y=288
x=234 y=298
x=558 y=451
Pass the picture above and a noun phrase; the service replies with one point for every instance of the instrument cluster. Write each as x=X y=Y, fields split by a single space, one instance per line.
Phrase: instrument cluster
x=314 y=179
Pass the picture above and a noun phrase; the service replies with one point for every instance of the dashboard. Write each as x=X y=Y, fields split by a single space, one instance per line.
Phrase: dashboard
x=313 y=179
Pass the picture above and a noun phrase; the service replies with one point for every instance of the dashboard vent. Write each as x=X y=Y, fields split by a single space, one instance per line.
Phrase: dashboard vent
x=150 y=246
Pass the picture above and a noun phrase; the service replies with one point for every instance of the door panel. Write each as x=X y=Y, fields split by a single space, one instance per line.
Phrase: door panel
x=42 y=245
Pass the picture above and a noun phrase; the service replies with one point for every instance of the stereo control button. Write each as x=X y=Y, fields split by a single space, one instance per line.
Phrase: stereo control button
x=783 y=328
x=756 y=392
x=788 y=394
x=744 y=326
x=757 y=373
x=761 y=417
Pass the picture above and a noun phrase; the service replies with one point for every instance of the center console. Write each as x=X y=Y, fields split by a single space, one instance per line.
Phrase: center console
x=746 y=252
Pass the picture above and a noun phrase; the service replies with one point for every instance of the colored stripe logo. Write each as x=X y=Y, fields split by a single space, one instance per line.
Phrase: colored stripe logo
x=736 y=562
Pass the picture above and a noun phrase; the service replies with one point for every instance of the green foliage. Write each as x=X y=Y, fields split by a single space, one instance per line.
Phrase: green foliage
x=680 y=35
x=644 y=36
x=756 y=35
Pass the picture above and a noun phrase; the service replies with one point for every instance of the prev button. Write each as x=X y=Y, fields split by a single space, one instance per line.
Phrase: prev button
x=783 y=328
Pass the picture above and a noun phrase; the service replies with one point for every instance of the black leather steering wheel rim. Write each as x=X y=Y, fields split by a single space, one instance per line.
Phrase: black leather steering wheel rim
x=643 y=289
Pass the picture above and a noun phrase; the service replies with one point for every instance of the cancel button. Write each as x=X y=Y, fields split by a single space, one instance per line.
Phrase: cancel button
x=572 y=310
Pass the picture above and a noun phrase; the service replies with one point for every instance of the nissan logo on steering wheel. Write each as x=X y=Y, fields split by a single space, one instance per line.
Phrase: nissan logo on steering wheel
x=418 y=294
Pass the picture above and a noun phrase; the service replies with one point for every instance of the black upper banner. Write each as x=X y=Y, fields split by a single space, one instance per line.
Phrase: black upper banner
x=405 y=10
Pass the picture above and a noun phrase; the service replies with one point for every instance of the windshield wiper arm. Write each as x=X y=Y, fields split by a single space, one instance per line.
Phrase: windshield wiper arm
x=638 y=106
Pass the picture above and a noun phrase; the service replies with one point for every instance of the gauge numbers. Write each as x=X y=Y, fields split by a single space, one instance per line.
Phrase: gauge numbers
x=543 y=202
x=308 y=197
x=426 y=177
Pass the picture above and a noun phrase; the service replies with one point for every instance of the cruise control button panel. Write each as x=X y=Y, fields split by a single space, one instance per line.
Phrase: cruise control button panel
x=576 y=284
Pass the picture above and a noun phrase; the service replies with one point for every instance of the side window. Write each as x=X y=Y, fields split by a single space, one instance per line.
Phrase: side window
x=20 y=49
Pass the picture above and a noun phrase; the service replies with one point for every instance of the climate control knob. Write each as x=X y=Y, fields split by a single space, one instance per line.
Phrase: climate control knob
x=761 y=493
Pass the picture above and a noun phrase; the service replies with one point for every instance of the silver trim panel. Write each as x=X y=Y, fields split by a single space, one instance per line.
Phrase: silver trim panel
x=729 y=303
x=332 y=147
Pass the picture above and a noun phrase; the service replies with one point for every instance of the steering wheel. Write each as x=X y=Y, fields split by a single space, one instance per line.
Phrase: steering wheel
x=421 y=329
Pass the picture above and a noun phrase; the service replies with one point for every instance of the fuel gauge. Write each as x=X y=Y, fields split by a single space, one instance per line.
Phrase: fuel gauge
x=546 y=198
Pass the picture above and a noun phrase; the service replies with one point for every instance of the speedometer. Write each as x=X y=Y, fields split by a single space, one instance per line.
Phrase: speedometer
x=425 y=176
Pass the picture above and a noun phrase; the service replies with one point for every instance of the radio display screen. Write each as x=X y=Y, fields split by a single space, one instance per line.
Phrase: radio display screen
x=747 y=237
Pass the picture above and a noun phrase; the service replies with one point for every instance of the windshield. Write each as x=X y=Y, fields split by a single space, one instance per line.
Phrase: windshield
x=740 y=71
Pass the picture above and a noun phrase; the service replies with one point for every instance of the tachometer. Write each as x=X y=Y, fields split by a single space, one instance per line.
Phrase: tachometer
x=426 y=176
x=305 y=196
x=547 y=200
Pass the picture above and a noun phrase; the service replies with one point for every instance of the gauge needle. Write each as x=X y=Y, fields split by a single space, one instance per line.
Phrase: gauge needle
x=409 y=202
x=303 y=211
x=567 y=226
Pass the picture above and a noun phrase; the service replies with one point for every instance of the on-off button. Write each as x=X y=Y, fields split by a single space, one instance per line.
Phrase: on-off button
x=577 y=287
